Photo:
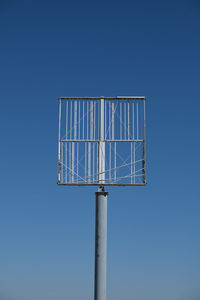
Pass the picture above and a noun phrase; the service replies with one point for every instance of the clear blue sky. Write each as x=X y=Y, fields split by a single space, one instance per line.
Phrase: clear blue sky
x=88 y=48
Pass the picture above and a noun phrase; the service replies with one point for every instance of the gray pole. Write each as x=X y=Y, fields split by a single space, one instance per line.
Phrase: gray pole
x=100 y=244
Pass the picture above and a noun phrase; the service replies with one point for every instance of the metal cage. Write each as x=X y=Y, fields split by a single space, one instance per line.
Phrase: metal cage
x=102 y=141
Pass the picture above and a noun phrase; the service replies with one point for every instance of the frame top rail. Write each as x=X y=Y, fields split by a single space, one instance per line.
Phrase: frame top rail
x=106 y=98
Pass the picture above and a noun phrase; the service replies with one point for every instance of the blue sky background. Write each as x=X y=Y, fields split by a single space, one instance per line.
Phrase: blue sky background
x=88 y=48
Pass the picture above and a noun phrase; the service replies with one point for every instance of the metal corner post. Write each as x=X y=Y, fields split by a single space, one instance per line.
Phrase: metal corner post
x=59 y=148
x=100 y=244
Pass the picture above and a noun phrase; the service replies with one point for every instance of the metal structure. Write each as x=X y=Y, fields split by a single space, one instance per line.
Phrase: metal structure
x=102 y=141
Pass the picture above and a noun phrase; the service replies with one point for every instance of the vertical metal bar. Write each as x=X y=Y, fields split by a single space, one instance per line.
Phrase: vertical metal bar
x=66 y=171
x=110 y=161
x=125 y=120
x=131 y=162
x=75 y=119
x=98 y=120
x=87 y=124
x=85 y=162
x=128 y=120
x=101 y=162
x=79 y=119
x=137 y=123
x=112 y=137
x=59 y=133
x=91 y=124
x=94 y=115
x=93 y=145
x=72 y=162
x=97 y=151
x=109 y=121
x=77 y=162
x=144 y=146
x=66 y=119
x=75 y=137
x=91 y=120
x=70 y=165
x=105 y=120
x=134 y=162
x=83 y=120
x=144 y=109
x=71 y=120
x=113 y=120
x=100 y=245
x=120 y=117
x=89 y=161
x=133 y=116
x=141 y=129
x=109 y=136
x=115 y=160
x=62 y=163
x=87 y=119
x=94 y=120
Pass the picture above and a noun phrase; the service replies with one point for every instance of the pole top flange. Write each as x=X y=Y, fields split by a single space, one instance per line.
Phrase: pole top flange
x=101 y=191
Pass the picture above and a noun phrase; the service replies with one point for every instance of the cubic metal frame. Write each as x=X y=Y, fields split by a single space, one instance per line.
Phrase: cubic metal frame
x=98 y=124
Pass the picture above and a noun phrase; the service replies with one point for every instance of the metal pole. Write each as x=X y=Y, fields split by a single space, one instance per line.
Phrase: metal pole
x=100 y=244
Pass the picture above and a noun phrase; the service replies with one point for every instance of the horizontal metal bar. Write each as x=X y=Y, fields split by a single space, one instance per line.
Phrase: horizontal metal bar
x=80 y=98
x=106 y=98
x=106 y=141
x=105 y=184
x=131 y=97
x=79 y=141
